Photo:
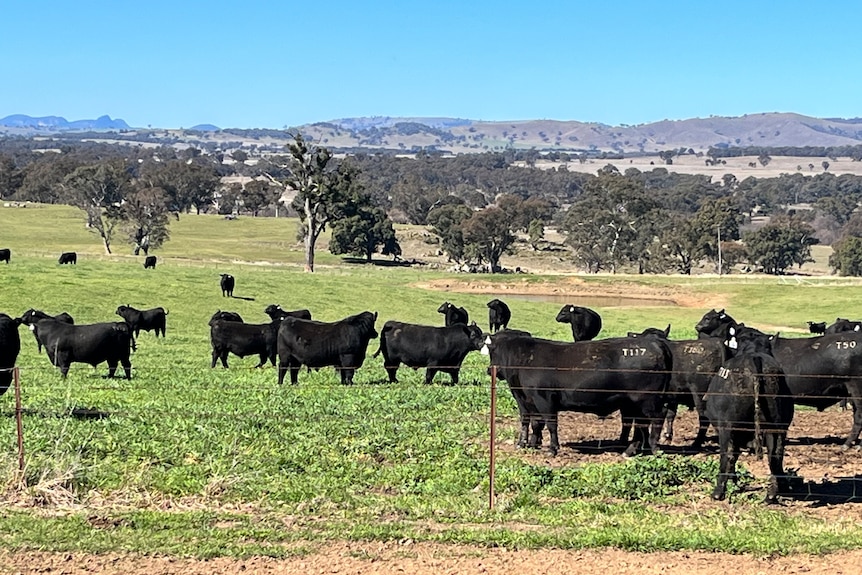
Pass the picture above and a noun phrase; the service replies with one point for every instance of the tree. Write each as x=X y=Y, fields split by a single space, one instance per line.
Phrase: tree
x=187 y=183
x=846 y=258
x=318 y=190
x=98 y=191
x=445 y=221
x=488 y=234
x=604 y=225
x=785 y=241
x=764 y=159
x=536 y=233
x=144 y=214
x=363 y=232
x=10 y=176
x=258 y=194
x=825 y=165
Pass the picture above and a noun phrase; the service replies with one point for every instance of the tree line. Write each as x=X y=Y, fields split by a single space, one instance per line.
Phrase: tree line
x=478 y=205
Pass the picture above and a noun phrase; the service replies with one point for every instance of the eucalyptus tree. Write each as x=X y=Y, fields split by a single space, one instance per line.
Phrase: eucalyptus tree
x=99 y=190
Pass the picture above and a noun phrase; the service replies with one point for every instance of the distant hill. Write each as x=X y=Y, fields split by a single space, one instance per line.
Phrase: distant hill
x=458 y=135
x=58 y=123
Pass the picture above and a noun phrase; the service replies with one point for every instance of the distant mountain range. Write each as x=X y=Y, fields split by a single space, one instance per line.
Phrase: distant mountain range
x=458 y=135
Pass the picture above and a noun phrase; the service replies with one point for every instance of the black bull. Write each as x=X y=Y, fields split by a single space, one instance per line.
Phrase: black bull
x=822 y=370
x=598 y=377
x=316 y=344
x=92 y=343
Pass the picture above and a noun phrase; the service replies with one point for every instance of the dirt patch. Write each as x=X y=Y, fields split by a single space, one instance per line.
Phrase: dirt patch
x=573 y=287
x=427 y=558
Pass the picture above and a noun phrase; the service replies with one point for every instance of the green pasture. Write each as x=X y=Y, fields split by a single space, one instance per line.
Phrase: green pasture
x=190 y=460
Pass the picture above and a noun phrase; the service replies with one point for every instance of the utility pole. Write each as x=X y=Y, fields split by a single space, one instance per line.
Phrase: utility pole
x=719 y=250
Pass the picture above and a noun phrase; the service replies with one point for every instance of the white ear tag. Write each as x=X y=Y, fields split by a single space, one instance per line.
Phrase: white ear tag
x=32 y=327
x=572 y=309
x=485 y=350
x=732 y=343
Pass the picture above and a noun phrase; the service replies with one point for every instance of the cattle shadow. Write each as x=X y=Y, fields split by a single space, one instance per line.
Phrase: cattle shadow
x=242 y=298
x=381 y=263
x=828 y=440
x=828 y=492
x=75 y=412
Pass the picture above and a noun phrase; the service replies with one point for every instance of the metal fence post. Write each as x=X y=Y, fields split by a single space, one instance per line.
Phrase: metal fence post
x=18 y=421
x=493 y=449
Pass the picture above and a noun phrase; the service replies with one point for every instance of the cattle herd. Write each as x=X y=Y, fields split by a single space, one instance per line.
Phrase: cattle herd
x=739 y=380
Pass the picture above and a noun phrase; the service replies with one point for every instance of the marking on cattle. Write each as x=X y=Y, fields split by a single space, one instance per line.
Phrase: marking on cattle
x=634 y=351
x=693 y=349
x=723 y=372
x=845 y=344
x=815 y=345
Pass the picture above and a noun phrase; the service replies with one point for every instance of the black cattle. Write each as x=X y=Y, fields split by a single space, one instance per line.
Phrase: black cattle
x=695 y=361
x=242 y=339
x=147 y=320
x=31 y=316
x=10 y=347
x=227 y=284
x=150 y=262
x=315 y=344
x=586 y=324
x=435 y=348
x=817 y=327
x=275 y=312
x=598 y=377
x=226 y=316
x=5 y=255
x=499 y=315
x=453 y=315
x=66 y=344
x=714 y=324
x=823 y=370
x=747 y=399
x=68 y=258
x=842 y=325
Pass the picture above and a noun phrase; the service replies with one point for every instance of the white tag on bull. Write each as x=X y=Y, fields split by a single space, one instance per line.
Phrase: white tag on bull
x=485 y=350
x=732 y=343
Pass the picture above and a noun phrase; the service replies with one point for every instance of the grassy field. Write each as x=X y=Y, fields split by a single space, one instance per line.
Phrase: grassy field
x=204 y=462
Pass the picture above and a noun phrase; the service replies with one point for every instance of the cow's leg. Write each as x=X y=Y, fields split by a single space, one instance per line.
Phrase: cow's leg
x=551 y=422
x=223 y=358
x=778 y=482
x=537 y=424
x=294 y=374
x=262 y=360
x=391 y=370
x=430 y=372
x=625 y=431
x=727 y=462
x=347 y=376
x=702 y=419
x=112 y=368
x=669 y=418
x=215 y=358
x=856 y=404
x=127 y=367
x=453 y=373
x=524 y=434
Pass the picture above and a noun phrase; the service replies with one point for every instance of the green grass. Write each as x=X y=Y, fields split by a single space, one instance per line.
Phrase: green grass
x=372 y=461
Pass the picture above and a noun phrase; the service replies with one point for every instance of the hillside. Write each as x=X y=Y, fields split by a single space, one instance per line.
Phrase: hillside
x=455 y=135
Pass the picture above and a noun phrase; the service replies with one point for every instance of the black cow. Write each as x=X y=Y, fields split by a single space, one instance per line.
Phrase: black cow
x=499 y=315
x=10 y=347
x=66 y=344
x=242 y=339
x=68 y=258
x=31 y=316
x=842 y=325
x=598 y=377
x=695 y=361
x=5 y=255
x=817 y=327
x=226 y=316
x=454 y=315
x=315 y=344
x=435 y=348
x=275 y=312
x=714 y=324
x=150 y=262
x=148 y=320
x=749 y=398
x=586 y=324
x=823 y=370
x=227 y=284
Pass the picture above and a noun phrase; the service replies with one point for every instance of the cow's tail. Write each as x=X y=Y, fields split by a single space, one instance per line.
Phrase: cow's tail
x=759 y=380
x=382 y=348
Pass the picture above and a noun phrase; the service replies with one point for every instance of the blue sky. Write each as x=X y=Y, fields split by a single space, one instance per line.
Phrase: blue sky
x=271 y=64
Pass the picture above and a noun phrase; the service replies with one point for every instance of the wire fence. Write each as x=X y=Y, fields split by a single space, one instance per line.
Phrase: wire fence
x=485 y=376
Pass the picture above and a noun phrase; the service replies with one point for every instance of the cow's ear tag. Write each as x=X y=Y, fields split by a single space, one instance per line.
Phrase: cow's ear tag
x=572 y=309
x=732 y=331
x=856 y=328
x=732 y=343
x=32 y=327
x=485 y=350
